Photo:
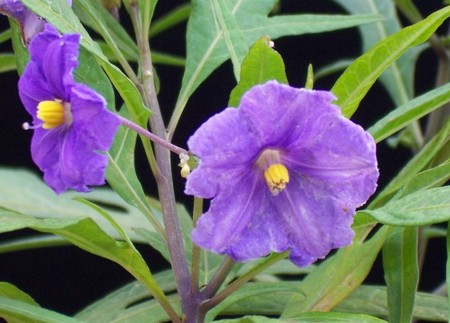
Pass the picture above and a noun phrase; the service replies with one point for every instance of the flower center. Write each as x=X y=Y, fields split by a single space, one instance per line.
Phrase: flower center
x=53 y=114
x=275 y=173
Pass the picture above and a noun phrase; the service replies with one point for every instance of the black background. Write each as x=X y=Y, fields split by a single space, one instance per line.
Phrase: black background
x=67 y=279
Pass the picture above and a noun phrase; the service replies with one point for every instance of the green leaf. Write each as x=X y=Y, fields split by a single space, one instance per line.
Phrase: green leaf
x=12 y=292
x=397 y=79
x=260 y=65
x=373 y=300
x=121 y=174
x=89 y=72
x=416 y=209
x=414 y=166
x=207 y=50
x=27 y=194
x=21 y=54
x=94 y=15
x=355 y=82
x=250 y=290
x=87 y=235
x=7 y=63
x=401 y=273
x=37 y=242
x=131 y=303
x=335 y=278
x=413 y=110
x=310 y=318
x=169 y=20
x=15 y=311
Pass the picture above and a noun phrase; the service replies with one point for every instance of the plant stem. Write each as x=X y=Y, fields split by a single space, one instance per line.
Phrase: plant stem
x=175 y=243
x=157 y=140
x=195 y=264
x=219 y=277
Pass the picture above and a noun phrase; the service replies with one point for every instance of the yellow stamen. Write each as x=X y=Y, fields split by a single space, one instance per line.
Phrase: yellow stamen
x=276 y=177
x=51 y=113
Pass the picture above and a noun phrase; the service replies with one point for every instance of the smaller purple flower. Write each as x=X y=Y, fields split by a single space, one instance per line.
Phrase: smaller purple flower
x=285 y=171
x=30 y=23
x=72 y=126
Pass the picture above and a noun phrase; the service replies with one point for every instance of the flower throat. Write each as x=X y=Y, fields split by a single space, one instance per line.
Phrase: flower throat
x=276 y=174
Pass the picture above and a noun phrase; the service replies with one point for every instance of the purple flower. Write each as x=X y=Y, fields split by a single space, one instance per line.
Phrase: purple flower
x=30 y=24
x=285 y=171
x=72 y=126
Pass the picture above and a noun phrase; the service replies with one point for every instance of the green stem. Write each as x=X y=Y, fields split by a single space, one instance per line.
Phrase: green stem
x=196 y=251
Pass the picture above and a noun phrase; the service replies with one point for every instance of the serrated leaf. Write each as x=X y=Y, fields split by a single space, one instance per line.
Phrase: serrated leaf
x=260 y=65
x=355 y=82
x=416 y=209
x=401 y=273
x=206 y=47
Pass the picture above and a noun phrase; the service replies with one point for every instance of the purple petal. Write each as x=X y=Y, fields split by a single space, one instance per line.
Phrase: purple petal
x=225 y=151
x=230 y=213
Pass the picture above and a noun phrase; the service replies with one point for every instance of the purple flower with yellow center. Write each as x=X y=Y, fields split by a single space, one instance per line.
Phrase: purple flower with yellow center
x=30 y=23
x=72 y=126
x=285 y=171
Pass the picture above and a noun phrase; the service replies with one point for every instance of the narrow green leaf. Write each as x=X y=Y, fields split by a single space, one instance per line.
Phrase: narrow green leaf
x=232 y=35
x=310 y=318
x=373 y=300
x=414 y=166
x=397 y=79
x=253 y=289
x=335 y=278
x=27 y=243
x=94 y=15
x=5 y=35
x=174 y=17
x=416 y=209
x=12 y=292
x=260 y=65
x=87 y=235
x=355 y=82
x=27 y=194
x=7 y=63
x=401 y=273
x=206 y=48
x=20 y=53
x=17 y=311
x=413 y=110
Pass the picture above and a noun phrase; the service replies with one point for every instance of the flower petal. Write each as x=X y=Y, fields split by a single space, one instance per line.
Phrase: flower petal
x=229 y=214
x=225 y=151
x=314 y=222
x=274 y=111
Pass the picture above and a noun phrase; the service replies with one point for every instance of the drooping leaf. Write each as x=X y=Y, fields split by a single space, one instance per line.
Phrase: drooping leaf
x=87 y=235
x=355 y=82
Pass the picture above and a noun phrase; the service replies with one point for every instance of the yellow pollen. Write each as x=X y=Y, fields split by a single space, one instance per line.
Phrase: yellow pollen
x=276 y=177
x=51 y=113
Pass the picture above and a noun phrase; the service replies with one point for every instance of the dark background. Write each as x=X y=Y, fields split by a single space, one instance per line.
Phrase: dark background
x=67 y=279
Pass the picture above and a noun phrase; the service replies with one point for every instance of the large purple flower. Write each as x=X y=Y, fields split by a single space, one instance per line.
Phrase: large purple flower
x=285 y=171
x=72 y=127
x=30 y=23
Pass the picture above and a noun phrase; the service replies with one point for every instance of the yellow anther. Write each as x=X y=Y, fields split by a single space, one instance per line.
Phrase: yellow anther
x=276 y=177
x=51 y=113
